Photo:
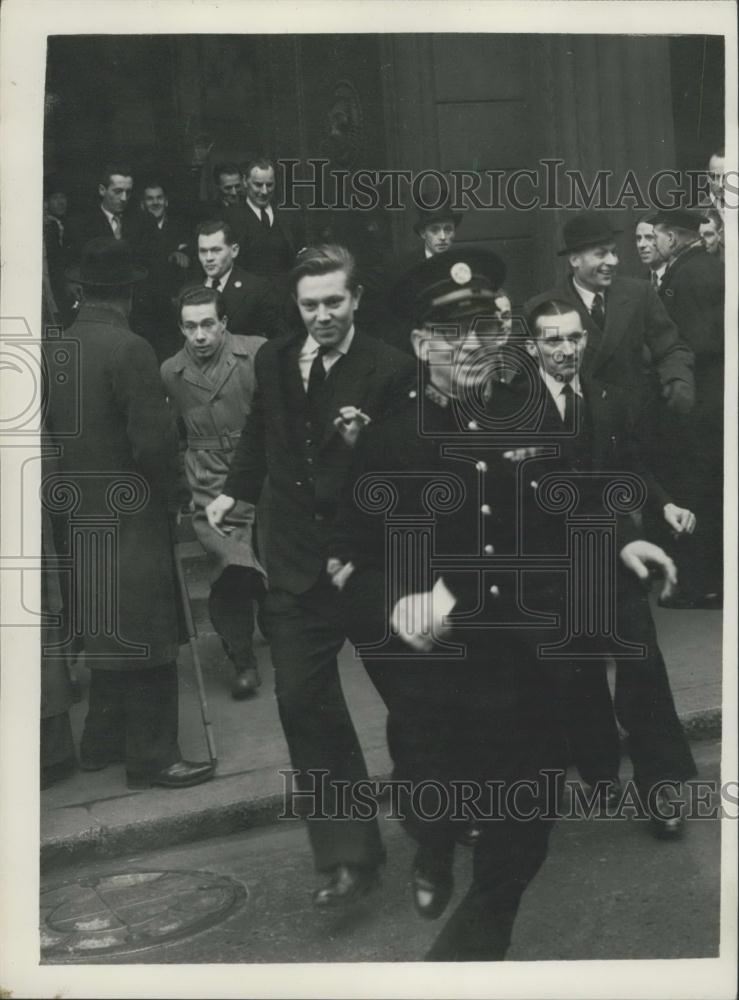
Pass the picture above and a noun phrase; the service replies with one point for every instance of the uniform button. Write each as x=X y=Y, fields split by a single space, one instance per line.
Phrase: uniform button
x=486 y=509
x=310 y=461
x=489 y=550
x=481 y=466
x=412 y=394
x=533 y=484
x=473 y=425
x=495 y=590
x=298 y=482
x=308 y=441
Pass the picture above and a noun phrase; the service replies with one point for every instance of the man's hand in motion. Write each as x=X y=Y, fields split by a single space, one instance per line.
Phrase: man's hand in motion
x=419 y=619
x=639 y=556
x=216 y=512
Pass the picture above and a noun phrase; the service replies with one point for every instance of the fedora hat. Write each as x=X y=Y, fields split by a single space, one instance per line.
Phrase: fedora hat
x=586 y=229
x=681 y=218
x=427 y=216
x=106 y=262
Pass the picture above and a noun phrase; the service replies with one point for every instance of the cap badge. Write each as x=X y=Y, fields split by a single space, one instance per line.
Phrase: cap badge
x=461 y=273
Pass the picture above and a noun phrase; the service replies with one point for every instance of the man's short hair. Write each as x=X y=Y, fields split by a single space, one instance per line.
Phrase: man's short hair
x=719 y=151
x=109 y=169
x=225 y=168
x=325 y=259
x=262 y=163
x=549 y=307
x=199 y=295
x=213 y=226
x=153 y=181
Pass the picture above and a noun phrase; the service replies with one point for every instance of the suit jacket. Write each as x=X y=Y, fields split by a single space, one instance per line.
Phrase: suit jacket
x=119 y=451
x=635 y=319
x=299 y=503
x=251 y=305
x=87 y=226
x=252 y=236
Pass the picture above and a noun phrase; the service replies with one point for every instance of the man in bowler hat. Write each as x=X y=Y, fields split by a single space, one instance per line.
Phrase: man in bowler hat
x=118 y=446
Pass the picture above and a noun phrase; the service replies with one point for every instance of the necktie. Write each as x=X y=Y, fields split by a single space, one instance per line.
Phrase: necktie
x=597 y=312
x=215 y=283
x=317 y=376
x=265 y=218
x=115 y=223
x=569 y=398
x=655 y=280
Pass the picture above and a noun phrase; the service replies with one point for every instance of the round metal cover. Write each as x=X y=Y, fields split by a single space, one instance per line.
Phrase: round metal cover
x=122 y=912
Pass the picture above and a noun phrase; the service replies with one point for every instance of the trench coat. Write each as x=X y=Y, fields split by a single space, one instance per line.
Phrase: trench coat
x=107 y=410
x=214 y=410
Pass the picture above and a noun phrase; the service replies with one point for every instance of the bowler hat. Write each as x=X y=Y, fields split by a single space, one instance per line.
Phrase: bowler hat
x=682 y=218
x=106 y=262
x=448 y=285
x=586 y=229
x=427 y=216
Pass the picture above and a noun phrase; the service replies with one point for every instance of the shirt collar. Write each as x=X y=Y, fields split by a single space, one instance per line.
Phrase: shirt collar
x=224 y=278
x=310 y=346
x=555 y=386
x=110 y=215
x=257 y=210
x=585 y=294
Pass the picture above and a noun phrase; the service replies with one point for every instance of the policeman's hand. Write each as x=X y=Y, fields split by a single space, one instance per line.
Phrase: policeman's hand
x=339 y=572
x=180 y=259
x=640 y=555
x=680 y=396
x=419 y=618
x=217 y=510
x=680 y=519
x=350 y=422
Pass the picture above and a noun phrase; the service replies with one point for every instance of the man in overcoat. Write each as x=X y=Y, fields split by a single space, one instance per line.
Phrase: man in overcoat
x=315 y=391
x=210 y=384
x=107 y=409
x=692 y=291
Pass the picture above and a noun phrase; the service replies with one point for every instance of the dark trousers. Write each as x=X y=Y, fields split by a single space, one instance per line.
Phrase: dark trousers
x=231 y=610
x=306 y=632
x=507 y=857
x=644 y=706
x=133 y=716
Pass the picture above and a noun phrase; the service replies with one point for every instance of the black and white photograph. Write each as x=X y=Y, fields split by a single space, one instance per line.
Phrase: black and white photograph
x=369 y=488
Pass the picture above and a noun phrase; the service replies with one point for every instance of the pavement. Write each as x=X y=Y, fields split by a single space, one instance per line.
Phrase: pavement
x=608 y=890
x=93 y=815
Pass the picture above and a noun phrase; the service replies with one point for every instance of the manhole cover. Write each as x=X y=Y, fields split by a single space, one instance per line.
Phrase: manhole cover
x=129 y=911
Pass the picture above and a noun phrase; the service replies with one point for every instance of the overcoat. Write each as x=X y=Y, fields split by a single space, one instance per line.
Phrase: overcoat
x=108 y=411
x=214 y=410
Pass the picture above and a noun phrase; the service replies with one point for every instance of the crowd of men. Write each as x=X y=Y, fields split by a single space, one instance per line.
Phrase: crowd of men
x=300 y=430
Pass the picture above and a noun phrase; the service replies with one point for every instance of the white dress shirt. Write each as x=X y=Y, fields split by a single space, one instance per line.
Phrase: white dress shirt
x=310 y=348
x=258 y=212
x=114 y=221
x=587 y=296
x=222 y=281
x=555 y=388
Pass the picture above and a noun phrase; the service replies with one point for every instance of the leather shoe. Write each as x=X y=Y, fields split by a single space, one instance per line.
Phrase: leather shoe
x=433 y=883
x=346 y=885
x=182 y=774
x=666 y=821
x=245 y=683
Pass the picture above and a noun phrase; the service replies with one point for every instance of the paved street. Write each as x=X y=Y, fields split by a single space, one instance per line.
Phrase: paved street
x=608 y=890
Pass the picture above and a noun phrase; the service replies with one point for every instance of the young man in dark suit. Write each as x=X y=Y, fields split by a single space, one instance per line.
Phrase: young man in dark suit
x=113 y=216
x=595 y=436
x=315 y=391
x=250 y=301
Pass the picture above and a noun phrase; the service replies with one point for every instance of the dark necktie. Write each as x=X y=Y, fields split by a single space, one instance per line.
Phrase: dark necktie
x=569 y=414
x=265 y=218
x=597 y=312
x=317 y=377
x=215 y=283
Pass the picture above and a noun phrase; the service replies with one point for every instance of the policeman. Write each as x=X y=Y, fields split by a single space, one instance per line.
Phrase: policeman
x=468 y=703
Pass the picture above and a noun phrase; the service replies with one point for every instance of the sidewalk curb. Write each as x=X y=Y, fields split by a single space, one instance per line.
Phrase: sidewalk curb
x=232 y=817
